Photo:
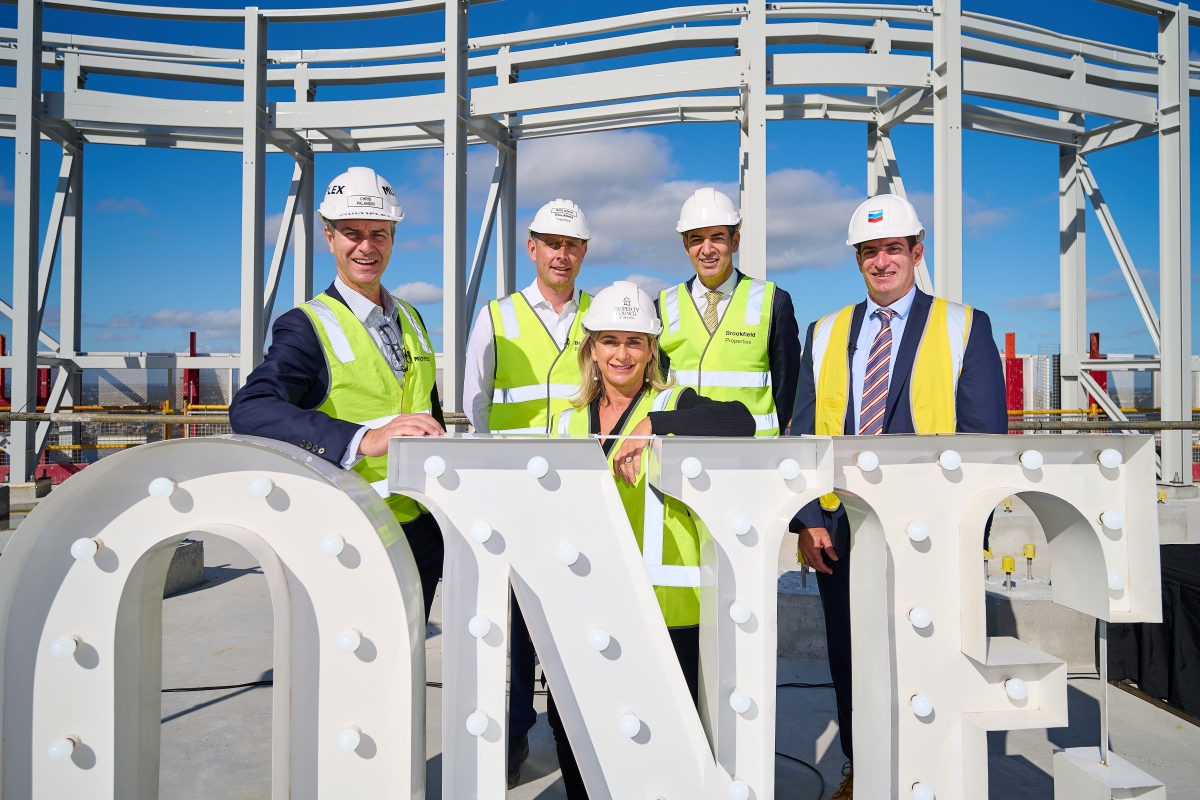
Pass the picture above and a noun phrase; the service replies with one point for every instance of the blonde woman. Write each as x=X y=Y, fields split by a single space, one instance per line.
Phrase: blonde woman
x=622 y=397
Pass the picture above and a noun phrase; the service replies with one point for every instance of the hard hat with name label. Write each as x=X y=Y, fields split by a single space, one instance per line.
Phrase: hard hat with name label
x=562 y=217
x=884 y=216
x=359 y=193
x=623 y=307
x=705 y=208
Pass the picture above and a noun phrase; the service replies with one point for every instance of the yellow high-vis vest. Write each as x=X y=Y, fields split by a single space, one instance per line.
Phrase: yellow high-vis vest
x=667 y=534
x=932 y=388
x=362 y=386
x=534 y=379
x=733 y=362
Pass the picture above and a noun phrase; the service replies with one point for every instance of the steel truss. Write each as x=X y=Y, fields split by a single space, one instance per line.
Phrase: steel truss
x=926 y=65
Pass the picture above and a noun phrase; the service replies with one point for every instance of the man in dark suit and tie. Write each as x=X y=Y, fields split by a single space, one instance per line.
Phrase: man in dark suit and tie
x=901 y=361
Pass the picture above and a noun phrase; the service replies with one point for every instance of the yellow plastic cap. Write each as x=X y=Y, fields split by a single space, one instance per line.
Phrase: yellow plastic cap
x=987 y=555
x=1030 y=551
x=1009 y=564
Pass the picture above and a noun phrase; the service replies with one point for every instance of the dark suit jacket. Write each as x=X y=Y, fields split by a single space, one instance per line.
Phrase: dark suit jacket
x=281 y=395
x=783 y=348
x=980 y=404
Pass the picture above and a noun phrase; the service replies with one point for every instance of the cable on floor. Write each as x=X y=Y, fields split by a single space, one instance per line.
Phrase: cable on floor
x=804 y=686
x=218 y=688
x=802 y=762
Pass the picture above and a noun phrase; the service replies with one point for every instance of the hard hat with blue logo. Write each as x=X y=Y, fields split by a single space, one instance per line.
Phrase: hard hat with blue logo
x=884 y=216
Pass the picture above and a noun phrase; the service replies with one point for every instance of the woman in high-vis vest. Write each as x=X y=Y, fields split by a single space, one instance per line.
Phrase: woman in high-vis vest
x=623 y=396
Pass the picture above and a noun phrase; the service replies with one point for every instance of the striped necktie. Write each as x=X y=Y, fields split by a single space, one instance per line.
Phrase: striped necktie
x=876 y=381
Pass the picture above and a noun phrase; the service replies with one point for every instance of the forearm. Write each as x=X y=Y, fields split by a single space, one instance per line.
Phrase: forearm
x=704 y=417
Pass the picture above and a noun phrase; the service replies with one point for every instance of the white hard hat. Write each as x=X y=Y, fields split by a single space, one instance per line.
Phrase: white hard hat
x=359 y=193
x=562 y=217
x=884 y=216
x=623 y=307
x=705 y=208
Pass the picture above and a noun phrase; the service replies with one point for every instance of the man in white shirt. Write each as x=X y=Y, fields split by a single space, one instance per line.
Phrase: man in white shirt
x=522 y=368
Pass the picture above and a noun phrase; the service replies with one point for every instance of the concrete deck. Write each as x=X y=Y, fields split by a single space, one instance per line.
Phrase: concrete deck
x=220 y=634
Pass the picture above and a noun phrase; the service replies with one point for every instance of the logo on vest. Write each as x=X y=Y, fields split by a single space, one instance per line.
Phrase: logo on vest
x=739 y=337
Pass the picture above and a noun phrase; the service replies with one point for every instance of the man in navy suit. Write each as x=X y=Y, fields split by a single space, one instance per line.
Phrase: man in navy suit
x=353 y=367
x=901 y=361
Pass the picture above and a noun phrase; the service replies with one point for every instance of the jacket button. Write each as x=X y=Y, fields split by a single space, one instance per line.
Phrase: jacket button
x=321 y=451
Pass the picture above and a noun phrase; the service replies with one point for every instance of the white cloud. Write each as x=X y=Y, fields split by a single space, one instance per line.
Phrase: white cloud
x=115 y=321
x=807 y=214
x=113 y=336
x=1052 y=302
x=651 y=284
x=419 y=293
x=978 y=216
x=124 y=204
x=6 y=192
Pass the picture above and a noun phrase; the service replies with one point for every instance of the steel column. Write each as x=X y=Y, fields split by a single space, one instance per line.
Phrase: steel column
x=454 y=207
x=1175 y=241
x=27 y=191
x=70 y=284
x=302 y=237
x=254 y=122
x=1072 y=276
x=752 y=147
x=947 y=148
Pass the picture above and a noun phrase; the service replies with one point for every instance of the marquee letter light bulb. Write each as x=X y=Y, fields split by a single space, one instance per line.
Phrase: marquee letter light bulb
x=739 y=701
x=920 y=617
x=61 y=750
x=538 y=467
x=479 y=626
x=64 y=647
x=917 y=531
x=349 y=739
x=332 y=545
x=867 y=461
x=568 y=554
x=691 y=467
x=477 y=722
x=789 y=469
x=162 y=488
x=1016 y=689
x=435 y=466
x=350 y=640
x=599 y=639
x=630 y=725
x=1116 y=580
x=922 y=706
x=260 y=487
x=481 y=530
x=83 y=549
x=949 y=459
x=739 y=612
x=739 y=524
x=738 y=790
x=1113 y=520
x=1032 y=459
x=1110 y=458
x=921 y=792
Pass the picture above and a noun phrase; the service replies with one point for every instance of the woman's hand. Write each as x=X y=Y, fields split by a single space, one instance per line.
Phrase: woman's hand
x=628 y=461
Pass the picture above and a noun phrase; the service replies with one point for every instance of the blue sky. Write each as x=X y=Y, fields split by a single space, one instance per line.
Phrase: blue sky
x=162 y=237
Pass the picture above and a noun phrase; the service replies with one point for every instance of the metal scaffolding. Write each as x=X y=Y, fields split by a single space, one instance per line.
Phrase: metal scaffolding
x=926 y=65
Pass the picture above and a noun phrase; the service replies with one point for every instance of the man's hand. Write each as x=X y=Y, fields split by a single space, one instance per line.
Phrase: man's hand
x=375 y=442
x=628 y=461
x=814 y=544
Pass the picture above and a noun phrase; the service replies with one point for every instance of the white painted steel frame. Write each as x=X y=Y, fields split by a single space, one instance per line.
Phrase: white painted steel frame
x=931 y=65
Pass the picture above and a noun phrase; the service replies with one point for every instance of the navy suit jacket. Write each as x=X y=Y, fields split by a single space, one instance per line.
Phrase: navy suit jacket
x=280 y=398
x=980 y=404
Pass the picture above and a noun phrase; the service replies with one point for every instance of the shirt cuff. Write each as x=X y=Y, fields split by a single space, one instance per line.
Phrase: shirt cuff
x=352 y=456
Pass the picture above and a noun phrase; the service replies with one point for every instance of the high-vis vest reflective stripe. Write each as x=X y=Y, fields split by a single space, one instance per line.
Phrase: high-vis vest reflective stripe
x=733 y=363
x=932 y=388
x=362 y=386
x=534 y=379
x=667 y=533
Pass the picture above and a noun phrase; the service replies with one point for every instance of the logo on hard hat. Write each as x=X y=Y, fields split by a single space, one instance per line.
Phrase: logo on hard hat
x=365 y=200
x=564 y=214
x=627 y=310
x=875 y=216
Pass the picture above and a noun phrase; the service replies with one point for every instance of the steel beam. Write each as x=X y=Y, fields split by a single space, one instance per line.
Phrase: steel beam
x=303 y=236
x=70 y=284
x=752 y=142
x=455 y=112
x=484 y=241
x=254 y=159
x=947 y=148
x=1072 y=276
x=1175 y=240
x=286 y=224
x=26 y=190
x=53 y=230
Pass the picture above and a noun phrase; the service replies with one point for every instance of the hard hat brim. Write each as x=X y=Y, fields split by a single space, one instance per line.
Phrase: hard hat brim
x=630 y=327
x=892 y=232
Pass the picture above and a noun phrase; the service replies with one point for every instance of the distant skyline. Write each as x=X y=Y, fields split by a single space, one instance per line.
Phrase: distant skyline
x=162 y=227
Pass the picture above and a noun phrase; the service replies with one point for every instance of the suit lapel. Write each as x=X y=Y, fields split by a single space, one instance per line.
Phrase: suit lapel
x=914 y=328
x=856 y=321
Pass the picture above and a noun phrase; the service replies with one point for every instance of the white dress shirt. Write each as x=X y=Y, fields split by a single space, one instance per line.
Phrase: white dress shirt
x=726 y=289
x=479 y=379
x=866 y=337
x=374 y=317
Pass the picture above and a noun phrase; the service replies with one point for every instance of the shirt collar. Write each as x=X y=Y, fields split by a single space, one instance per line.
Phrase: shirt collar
x=535 y=298
x=360 y=306
x=901 y=306
x=727 y=287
